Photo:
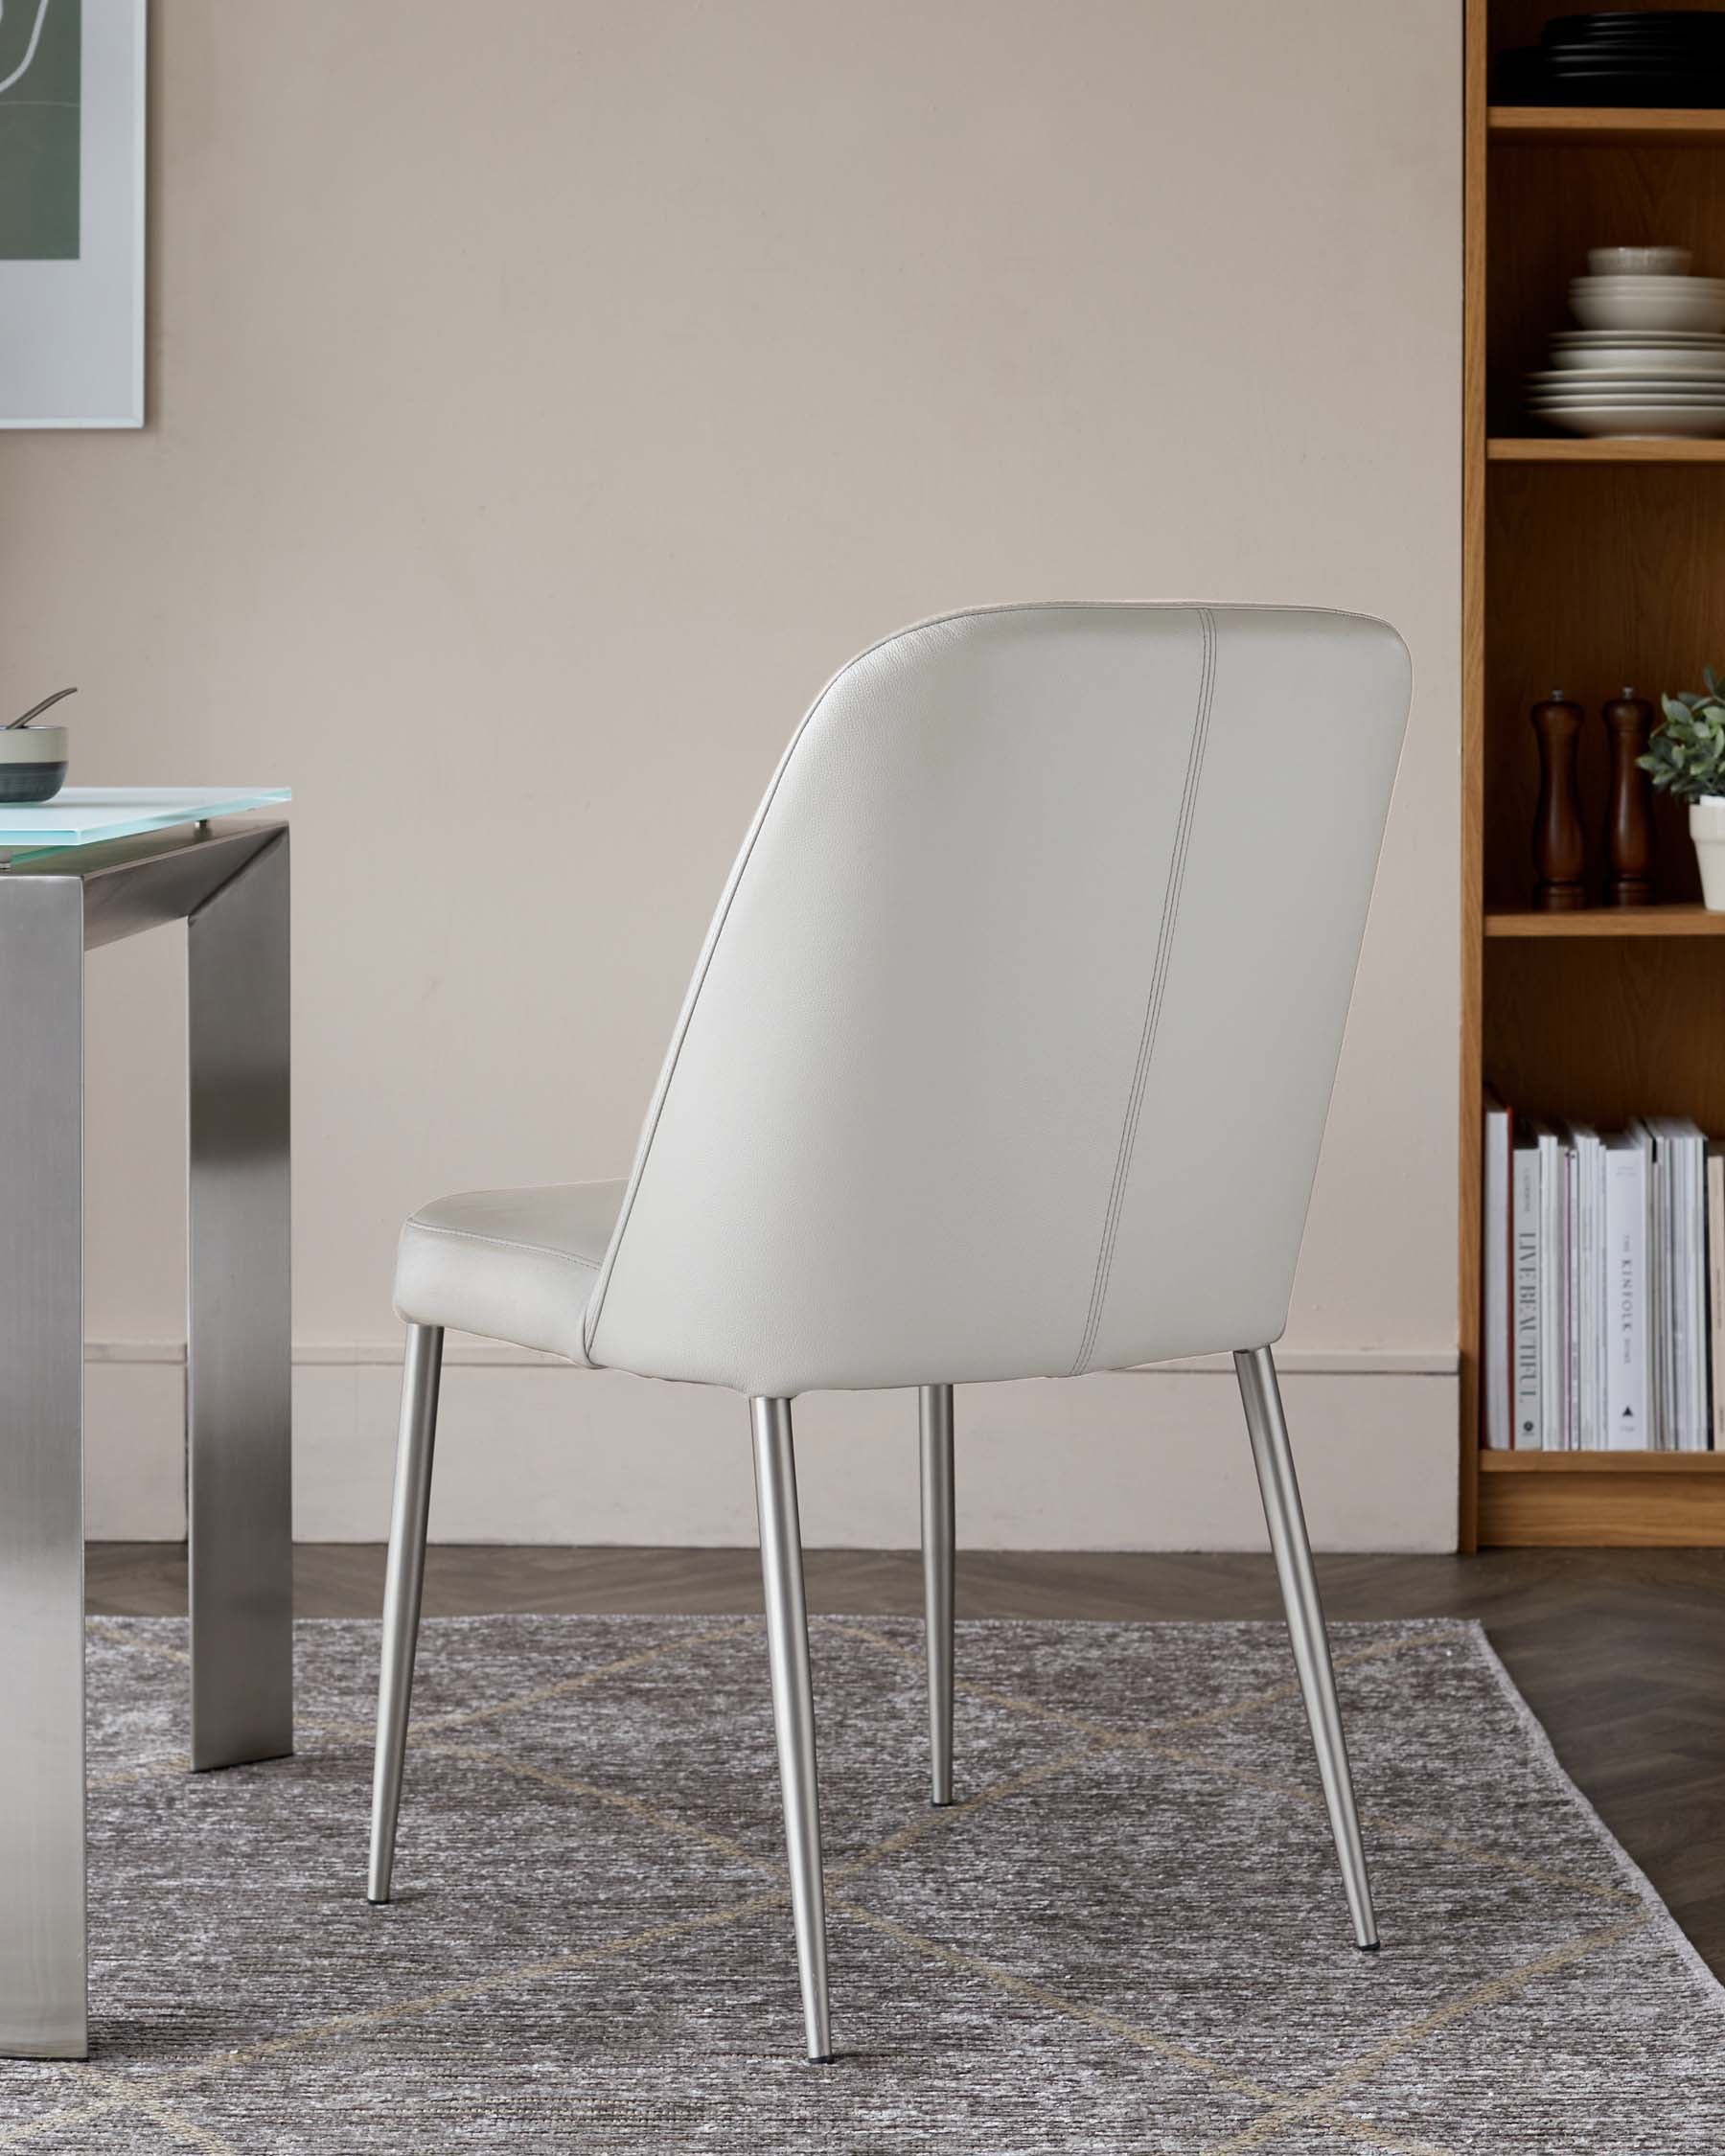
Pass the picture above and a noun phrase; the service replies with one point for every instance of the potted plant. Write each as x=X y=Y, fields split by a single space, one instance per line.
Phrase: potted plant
x=1686 y=757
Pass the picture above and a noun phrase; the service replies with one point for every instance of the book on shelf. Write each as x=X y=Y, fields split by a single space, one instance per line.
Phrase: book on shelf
x=1527 y=1432
x=1715 y=1286
x=1587 y=1332
x=1496 y=1370
x=1603 y=1284
x=1680 y=1419
x=1552 y=1258
x=1626 y=1274
x=1575 y=1437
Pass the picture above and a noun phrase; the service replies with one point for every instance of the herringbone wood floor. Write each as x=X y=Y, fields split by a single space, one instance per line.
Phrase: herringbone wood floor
x=1619 y=1653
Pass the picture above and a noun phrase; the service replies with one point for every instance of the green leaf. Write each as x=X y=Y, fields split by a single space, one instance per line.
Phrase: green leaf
x=1686 y=750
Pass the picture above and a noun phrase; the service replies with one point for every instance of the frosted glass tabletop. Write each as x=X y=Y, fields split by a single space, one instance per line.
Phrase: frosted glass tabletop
x=83 y=815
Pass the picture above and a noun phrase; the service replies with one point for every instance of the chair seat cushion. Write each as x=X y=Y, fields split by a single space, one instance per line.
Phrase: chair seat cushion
x=513 y=1265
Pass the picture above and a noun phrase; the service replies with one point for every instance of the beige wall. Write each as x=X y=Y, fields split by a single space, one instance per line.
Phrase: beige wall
x=544 y=397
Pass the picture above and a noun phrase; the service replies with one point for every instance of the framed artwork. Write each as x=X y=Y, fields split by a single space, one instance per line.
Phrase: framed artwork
x=72 y=87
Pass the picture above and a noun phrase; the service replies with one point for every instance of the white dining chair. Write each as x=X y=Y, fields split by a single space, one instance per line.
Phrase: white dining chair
x=1007 y=1056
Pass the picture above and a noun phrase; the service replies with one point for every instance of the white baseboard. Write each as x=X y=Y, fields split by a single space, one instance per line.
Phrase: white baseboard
x=134 y=1449
x=532 y=1451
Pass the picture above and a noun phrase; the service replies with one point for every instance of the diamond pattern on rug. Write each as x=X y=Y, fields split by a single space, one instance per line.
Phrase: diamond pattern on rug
x=1128 y=1936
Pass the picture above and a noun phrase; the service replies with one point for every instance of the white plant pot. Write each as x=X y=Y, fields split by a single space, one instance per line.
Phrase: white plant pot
x=1706 y=828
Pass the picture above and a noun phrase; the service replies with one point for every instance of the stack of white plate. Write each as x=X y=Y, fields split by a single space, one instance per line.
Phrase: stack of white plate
x=1650 y=358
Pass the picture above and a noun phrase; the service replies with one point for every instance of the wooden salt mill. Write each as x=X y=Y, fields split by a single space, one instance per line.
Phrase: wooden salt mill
x=1629 y=812
x=1559 y=848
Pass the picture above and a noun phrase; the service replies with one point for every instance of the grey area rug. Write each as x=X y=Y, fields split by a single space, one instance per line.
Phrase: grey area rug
x=1129 y=1936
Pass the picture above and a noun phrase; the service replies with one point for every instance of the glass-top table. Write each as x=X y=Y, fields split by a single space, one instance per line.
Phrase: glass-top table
x=85 y=815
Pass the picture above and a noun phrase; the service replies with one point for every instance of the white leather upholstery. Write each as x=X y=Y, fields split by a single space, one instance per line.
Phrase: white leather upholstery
x=1009 y=1051
x=515 y=1264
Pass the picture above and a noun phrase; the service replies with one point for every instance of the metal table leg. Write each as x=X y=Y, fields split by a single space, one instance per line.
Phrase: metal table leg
x=42 y=1997
x=239 y=1348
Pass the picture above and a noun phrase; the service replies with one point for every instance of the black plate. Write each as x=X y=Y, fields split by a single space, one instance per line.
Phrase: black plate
x=1677 y=25
x=1534 y=75
x=1655 y=91
x=1678 y=56
x=1613 y=96
x=1693 y=48
x=1672 y=55
x=1685 y=41
x=1580 y=71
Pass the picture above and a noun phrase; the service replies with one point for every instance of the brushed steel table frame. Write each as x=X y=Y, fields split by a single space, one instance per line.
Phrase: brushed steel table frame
x=229 y=883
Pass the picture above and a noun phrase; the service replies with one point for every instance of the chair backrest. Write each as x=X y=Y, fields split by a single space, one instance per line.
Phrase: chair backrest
x=1009 y=1051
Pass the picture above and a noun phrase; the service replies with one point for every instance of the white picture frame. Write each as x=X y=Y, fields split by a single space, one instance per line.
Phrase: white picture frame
x=72 y=257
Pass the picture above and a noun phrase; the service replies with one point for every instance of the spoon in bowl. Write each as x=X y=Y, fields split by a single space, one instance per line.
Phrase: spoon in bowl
x=37 y=710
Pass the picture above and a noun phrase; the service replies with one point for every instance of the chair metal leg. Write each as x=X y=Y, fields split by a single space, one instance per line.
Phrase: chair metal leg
x=1293 y=1550
x=421 y=1373
x=937 y=1543
x=792 y=1704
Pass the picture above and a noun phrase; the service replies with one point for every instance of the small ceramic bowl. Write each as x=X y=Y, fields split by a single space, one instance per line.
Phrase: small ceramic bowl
x=1639 y=261
x=32 y=763
x=1663 y=304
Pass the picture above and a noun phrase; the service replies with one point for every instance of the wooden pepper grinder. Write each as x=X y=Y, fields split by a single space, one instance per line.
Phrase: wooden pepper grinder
x=1629 y=814
x=1559 y=847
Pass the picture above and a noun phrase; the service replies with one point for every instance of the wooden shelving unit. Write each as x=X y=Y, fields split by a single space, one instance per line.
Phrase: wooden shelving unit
x=1598 y=123
x=1587 y=565
x=1601 y=1463
x=1565 y=449
x=1627 y=1499
x=1614 y=921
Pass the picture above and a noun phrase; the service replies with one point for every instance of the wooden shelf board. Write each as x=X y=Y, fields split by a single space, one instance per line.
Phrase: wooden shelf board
x=1613 y=921
x=1601 y=1463
x=1624 y=1501
x=1603 y=123
x=1631 y=448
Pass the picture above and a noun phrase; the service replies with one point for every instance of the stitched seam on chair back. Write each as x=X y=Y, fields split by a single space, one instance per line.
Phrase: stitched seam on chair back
x=1152 y=1006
